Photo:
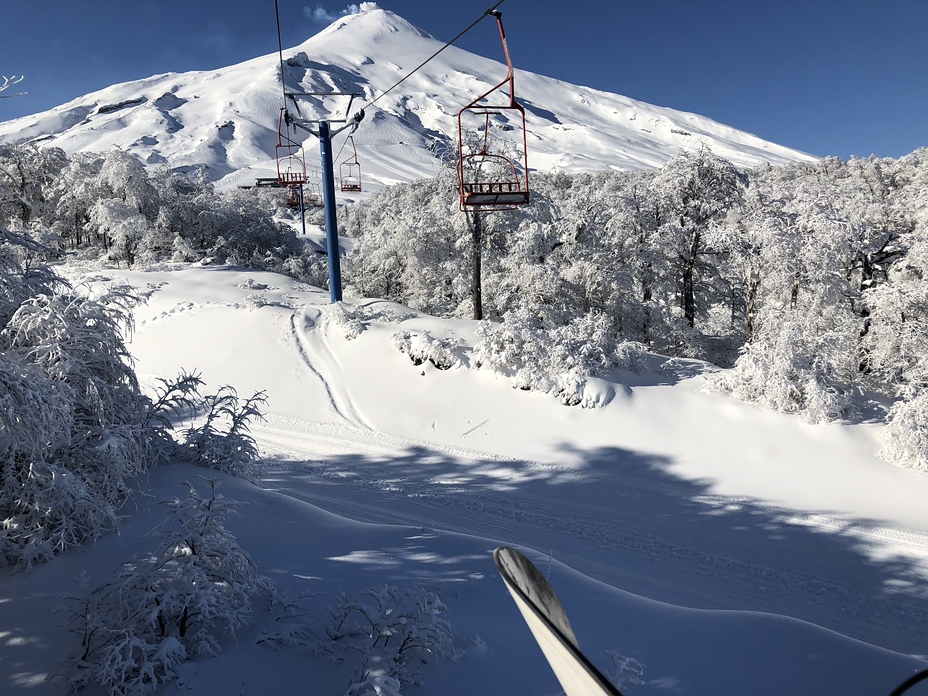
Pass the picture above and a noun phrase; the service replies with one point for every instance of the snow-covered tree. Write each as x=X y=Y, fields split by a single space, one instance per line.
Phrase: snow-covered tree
x=413 y=247
x=121 y=226
x=27 y=173
x=793 y=363
x=75 y=191
x=694 y=192
x=793 y=250
x=895 y=347
x=387 y=634
x=555 y=359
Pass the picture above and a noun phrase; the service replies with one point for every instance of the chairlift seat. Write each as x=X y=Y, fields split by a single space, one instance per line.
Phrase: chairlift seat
x=350 y=171
x=291 y=177
x=494 y=193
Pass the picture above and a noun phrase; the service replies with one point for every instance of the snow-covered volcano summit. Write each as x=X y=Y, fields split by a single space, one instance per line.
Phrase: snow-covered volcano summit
x=226 y=119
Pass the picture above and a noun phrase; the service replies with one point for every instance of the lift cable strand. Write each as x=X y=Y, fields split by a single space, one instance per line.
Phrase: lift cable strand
x=427 y=60
x=280 y=52
x=343 y=145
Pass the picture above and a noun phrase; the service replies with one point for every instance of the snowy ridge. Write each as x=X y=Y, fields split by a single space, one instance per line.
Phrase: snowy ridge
x=226 y=119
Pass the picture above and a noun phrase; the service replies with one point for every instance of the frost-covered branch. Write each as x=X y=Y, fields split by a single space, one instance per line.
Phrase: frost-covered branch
x=9 y=82
x=387 y=633
x=223 y=440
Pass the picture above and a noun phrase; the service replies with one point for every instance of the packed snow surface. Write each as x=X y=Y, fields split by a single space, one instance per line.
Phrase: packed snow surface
x=699 y=545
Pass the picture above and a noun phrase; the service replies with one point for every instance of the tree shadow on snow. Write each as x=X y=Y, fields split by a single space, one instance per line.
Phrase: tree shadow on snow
x=622 y=518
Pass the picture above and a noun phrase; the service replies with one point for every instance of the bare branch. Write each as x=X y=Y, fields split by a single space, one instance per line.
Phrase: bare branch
x=9 y=82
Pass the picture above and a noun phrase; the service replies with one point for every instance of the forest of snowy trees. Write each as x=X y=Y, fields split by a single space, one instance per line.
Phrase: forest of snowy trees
x=805 y=281
x=110 y=207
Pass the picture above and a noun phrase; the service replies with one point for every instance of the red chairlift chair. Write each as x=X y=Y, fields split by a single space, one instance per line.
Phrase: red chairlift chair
x=293 y=196
x=491 y=178
x=291 y=164
x=350 y=171
x=313 y=196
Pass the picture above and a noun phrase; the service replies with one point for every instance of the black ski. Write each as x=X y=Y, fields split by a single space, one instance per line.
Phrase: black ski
x=548 y=622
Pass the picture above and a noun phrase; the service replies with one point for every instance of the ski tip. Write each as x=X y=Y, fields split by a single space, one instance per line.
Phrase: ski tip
x=523 y=577
x=548 y=622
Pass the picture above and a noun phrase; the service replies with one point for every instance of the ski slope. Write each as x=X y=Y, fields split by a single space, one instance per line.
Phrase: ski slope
x=699 y=545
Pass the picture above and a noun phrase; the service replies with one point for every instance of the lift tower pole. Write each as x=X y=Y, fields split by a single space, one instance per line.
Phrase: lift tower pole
x=323 y=130
x=324 y=134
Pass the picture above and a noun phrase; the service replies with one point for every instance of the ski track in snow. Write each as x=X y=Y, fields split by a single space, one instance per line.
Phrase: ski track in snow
x=414 y=483
x=319 y=359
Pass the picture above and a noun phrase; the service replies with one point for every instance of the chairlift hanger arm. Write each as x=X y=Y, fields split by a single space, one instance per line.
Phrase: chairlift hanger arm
x=506 y=186
x=312 y=129
x=510 y=78
x=308 y=124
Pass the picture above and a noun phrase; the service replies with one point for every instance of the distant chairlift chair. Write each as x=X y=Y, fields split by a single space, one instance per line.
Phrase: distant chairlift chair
x=350 y=171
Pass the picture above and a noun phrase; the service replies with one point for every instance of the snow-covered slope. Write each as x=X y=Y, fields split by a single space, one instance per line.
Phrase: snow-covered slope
x=227 y=119
x=699 y=545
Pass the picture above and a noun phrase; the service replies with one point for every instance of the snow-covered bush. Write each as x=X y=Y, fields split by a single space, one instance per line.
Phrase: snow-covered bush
x=35 y=414
x=20 y=276
x=255 y=301
x=905 y=439
x=78 y=340
x=793 y=367
x=396 y=630
x=198 y=587
x=174 y=400
x=389 y=633
x=74 y=423
x=346 y=319
x=353 y=319
x=421 y=346
x=75 y=427
x=554 y=359
x=46 y=509
x=223 y=440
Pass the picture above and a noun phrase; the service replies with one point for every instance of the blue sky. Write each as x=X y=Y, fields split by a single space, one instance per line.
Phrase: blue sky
x=829 y=77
